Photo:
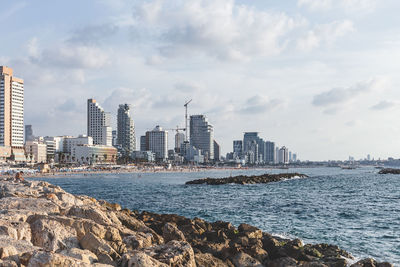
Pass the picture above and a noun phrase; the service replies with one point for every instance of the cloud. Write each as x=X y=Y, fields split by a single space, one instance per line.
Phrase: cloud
x=383 y=105
x=364 y=6
x=259 y=104
x=8 y=13
x=93 y=34
x=139 y=98
x=324 y=33
x=337 y=96
x=71 y=56
x=221 y=29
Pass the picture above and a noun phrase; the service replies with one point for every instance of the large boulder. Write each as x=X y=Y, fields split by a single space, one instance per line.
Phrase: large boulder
x=140 y=259
x=85 y=255
x=208 y=260
x=174 y=253
x=45 y=259
x=171 y=232
x=245 y=260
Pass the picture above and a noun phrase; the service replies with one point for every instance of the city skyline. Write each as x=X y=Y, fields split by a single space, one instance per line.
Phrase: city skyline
x=317 y=77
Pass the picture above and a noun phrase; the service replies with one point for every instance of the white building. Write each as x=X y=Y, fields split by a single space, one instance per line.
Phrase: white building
x=157 y=142
x=36 y=152
x=283 y=155
x=92 y=154
x=12 y=113
x=98 y=124
x=71 y=142
x=179 y=139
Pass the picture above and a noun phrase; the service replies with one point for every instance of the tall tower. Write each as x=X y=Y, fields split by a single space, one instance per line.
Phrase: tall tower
x=157 y=142
x=12 y=112
x=126 y=130
x=98 y=124
x=202 y=135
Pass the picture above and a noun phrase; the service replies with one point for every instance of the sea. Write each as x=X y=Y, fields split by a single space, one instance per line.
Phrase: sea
x=358 y=209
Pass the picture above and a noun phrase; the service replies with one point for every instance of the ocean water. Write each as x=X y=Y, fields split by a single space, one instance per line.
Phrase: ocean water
x=358 y=210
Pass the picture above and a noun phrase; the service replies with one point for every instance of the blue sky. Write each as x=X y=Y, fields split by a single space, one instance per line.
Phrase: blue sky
x=319 y=76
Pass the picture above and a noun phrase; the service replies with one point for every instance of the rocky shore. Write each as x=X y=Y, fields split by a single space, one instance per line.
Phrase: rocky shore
x=42 y=225
x=255 y=179
x=389 y=171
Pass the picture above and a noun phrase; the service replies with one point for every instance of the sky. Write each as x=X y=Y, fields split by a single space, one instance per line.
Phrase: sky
x=318 y=76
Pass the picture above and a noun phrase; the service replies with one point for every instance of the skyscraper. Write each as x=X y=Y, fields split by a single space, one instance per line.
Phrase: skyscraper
x=12 y=113
x=248 y=139
x=143 y=144
x=157 y=142
x=98 y=124
x=269 y=152
x=238 y=148
x=284 y=155
x=126 y=130
x=179 y=139
x=217 y=151
x=29 y=133
x=202 y=135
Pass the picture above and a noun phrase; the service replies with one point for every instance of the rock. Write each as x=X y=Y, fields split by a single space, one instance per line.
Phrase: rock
x=282 y=262
x=171 y=232
x=42 y=206
x=250 y=231
x=174 y=253
x=370 y=263
x=45 y=259
x=85 y=256
x=52 y=235
x=208 y=260
x=99 y=247
x=245 y=260
x=138 y=240
x=8 y=263
x=140 y=259
x=15 y=229
x=10 y=248
x=90 y=213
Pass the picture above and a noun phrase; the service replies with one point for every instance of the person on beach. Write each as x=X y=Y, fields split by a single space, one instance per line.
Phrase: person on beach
x=18 y=176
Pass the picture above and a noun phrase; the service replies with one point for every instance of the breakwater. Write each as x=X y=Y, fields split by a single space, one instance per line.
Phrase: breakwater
x=254 y=179
x=42 y=225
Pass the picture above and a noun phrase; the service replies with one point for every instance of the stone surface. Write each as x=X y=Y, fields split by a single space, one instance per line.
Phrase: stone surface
x=140 y=259
x=171 y=232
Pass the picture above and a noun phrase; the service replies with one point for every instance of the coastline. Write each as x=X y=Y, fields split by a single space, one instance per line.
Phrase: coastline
x=43 y=224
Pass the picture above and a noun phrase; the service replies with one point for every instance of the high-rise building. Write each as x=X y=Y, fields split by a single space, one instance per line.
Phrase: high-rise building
x=202 y=136
x=276 y=155
x=157 y=142
x=126 y=130
x=283 y=155
x=98 y=124
x=36 y=151
x=248 y=139
x=179 y=139
x=238 y=148
x=269 y=152
x=294 y=157
x=12 y=113
x=217 y=151
x=114 y=138
x=29 y=133
x=143 y=143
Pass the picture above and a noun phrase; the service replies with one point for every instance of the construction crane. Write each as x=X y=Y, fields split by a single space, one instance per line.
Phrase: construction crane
x=186 y=119
x=177 y=129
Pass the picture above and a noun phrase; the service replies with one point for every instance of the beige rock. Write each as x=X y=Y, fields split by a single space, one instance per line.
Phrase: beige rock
x=10 y=247
x=99 y=247
x=208 y=260
x=171 y=232
x=52 y=235
x=8 y=263
x=46 y=259
x=15 y=229
x=174 y=253
x=140 y=259
x=91 y=213
x=81 y=254
x=138 y=240
x=245 y=260
x=34 y=205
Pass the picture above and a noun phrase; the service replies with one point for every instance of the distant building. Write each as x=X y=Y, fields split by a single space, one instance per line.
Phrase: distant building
x=92 y=154
x=248 y=139
x=29 y=133
x=276 y=155
x=202 y=136
x=157 y=142
x=252 y=152
x=294 y=156
x=217 y=151
x=290 y=156
x=12 y=113
x=98 y=124
x=126 y=130
x=143 y=144
x=179 y=139
x=238 y=147
x=283 y=155
x=50 y=149
x=58 y=142
x=269 y=152
x=36 y=151
x=147 y=156
x=114 y=138
x=71 y=142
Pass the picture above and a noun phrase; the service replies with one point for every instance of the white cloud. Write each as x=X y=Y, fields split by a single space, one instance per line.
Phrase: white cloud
x=346 y=5
x=221 y=29
x=384 y=104
x=324 y=33
x=259 y=104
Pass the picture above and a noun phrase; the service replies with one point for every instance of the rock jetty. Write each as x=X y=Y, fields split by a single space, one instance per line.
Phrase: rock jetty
x=42 y=225
x=255 y=179
x=389 y=171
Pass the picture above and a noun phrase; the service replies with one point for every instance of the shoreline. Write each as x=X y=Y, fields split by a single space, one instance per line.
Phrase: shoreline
x=43 y=224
